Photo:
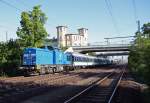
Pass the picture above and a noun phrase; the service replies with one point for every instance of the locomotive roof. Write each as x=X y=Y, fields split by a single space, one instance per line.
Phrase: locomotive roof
x=45 y=48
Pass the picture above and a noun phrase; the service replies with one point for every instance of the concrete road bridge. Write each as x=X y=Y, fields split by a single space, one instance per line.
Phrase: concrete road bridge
x=102 y=48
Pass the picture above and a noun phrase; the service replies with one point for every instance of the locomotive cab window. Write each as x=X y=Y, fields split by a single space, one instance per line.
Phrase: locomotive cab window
x=68 y=58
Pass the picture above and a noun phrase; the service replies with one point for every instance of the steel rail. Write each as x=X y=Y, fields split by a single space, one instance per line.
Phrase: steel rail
x=114 y=91
x=88 y=88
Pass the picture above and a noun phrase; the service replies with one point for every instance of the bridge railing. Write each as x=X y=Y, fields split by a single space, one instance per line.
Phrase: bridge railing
x=111 y=45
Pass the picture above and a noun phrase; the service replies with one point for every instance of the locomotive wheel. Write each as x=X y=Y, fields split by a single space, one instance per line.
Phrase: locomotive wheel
x=66 y=69
x=42 y=71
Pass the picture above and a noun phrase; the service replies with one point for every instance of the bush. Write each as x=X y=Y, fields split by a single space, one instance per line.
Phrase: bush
x=10 y=57
x=139 y=57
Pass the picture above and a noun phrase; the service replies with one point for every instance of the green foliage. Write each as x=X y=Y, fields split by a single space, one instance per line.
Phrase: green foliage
x=64 y=48
x=51 y=42
x=139 y=57
x=10 y=57
x=3 y=54
x=146 y=29
x=32 y=32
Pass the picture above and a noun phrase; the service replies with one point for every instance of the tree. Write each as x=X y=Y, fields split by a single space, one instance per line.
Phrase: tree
x=10 y=57
x=146 y=30
x=3 y=54
x=139 y=57
x=32 y=32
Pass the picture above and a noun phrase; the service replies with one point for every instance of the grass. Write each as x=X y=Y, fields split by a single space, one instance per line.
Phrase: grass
x=3 y=74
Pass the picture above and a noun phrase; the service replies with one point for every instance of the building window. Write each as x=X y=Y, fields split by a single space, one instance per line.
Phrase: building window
x=67 y=37
x=60 y=38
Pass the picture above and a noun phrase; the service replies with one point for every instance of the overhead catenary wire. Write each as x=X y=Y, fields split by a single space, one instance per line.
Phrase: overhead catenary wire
x=6 y=27
x=23 y=3
x=1 y=26
x=26 y=5
x=135 y=10
x=10 y=5
x=137 y=21
x=109 y=8
x=109 y=3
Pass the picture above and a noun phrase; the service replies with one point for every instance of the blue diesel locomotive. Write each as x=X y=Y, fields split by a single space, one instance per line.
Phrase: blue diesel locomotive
x=46 y=60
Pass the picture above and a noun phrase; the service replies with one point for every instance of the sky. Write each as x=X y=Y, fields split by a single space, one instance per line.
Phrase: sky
x=102 y=18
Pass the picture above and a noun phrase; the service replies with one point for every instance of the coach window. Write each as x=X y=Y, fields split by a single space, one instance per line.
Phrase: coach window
x=81 y=59
x=86 y=59
x=74 y=58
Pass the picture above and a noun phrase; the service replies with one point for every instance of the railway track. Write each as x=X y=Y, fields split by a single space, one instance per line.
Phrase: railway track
x=22 y=91
x=34 y=78
x=101 y=91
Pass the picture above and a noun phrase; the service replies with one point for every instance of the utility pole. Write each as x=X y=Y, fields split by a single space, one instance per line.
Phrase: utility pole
x=138 y=25
x=107 y=41
x=6 y=36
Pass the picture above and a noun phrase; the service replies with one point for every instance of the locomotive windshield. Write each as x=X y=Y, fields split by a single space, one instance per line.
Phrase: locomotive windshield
x=48 y=47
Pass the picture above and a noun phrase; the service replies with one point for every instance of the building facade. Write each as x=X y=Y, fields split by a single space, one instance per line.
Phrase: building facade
x=67 y=39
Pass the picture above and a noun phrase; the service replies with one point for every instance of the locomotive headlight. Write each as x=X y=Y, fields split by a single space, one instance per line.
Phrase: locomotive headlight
x=33 y=54
x=25 y=55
